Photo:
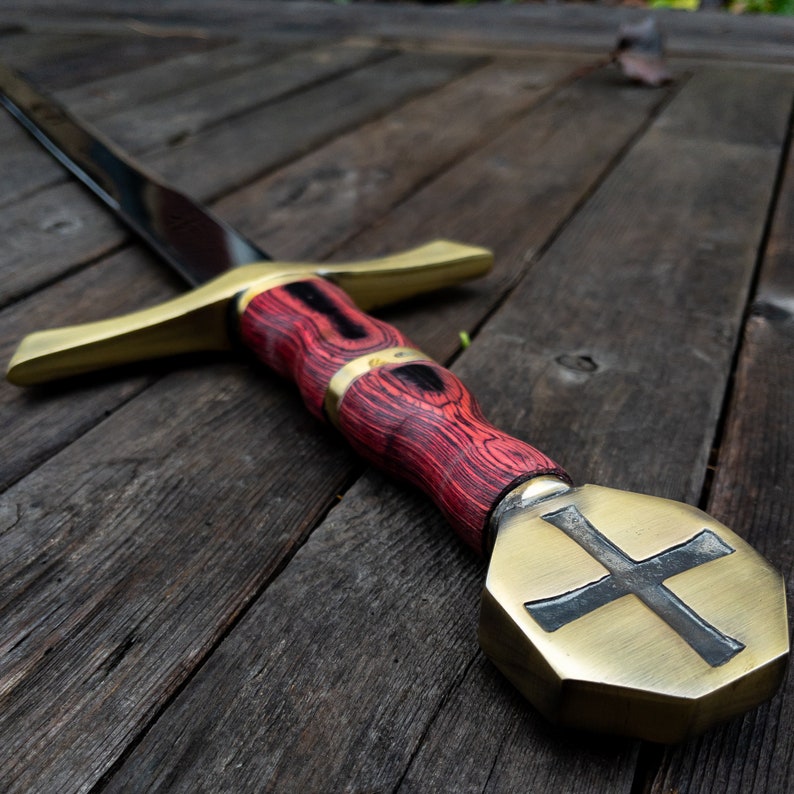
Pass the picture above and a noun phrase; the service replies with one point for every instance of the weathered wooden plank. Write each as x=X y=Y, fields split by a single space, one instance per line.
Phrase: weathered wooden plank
x=122 y=284
x=95 y=577
x=42 y=56
x=311 y=207
x=508 y=745
x=752 y=489
x=27 y=169
x=727 y=120
x=533 y=177
x=29 y=50
x=758 y=746
x=485 y=25
x=163 y=427
x=62 y=63
x=106 y=95
x=327 y=216
x=519 y=217
x=175 y=119
x=322 y=222
x=379 y=614
x=48 y=234
x=315 y=222
x=36 y=423
x=232 y=153
x=633 y=389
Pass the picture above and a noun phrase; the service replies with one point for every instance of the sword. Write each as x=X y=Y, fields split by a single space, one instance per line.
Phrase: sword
x=608 y=610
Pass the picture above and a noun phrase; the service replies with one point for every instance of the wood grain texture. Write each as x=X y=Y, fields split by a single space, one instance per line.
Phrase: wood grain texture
x=353 y=720
x=61 y=65
x=661 y=383
x=225 y=158
x=674 y=265
x=36 y=423
x=55 y=232
x=96 y=725
x=308 y=330
x=524 y=26
x=518 y=191
x=350 y=591
x=61 y=222
x=176 y=118
x=143 y=85
x=164 y=122
x=28 y=169
x=55 y=218
x=752 y=489
x=309 y=208
x=418 y=422
x=95 y=607
x=51 y=234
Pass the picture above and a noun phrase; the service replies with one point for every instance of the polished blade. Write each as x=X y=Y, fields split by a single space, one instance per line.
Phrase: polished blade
x=194 y=242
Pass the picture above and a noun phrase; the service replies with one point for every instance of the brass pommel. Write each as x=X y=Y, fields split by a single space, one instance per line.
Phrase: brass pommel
x=631 y=614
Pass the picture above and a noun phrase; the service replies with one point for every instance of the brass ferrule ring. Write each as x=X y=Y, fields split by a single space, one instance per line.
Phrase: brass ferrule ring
x=344 y=377
x=523 y=496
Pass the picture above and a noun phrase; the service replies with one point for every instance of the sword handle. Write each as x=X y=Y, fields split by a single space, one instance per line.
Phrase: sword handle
x=398 y=409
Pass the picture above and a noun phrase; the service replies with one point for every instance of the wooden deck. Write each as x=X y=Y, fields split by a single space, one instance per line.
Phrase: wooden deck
x=201 y=588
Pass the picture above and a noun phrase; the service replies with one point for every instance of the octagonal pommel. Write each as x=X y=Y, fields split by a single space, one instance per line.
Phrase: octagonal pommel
x=630 y=614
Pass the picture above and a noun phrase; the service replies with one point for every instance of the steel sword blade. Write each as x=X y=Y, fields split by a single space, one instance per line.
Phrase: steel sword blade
x=198 y=245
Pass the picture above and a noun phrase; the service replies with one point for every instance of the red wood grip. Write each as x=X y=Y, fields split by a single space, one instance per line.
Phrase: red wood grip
x=415 y=420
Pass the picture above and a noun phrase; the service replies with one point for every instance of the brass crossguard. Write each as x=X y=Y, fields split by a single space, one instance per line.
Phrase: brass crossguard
x=199 y=320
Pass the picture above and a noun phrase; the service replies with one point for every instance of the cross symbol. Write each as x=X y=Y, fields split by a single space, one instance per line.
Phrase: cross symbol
x=644 y=579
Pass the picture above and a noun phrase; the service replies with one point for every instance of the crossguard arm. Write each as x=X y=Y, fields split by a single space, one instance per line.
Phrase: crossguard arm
x=198 y=320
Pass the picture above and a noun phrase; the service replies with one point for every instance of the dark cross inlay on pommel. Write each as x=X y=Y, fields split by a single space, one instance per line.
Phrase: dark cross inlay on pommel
x=644 y=579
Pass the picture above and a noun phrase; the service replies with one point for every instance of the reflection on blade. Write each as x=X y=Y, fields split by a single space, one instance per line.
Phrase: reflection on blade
x=197 y=244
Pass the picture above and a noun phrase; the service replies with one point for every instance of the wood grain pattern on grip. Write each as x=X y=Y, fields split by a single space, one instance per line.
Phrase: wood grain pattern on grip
x=416 y=421
x=308 y=330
